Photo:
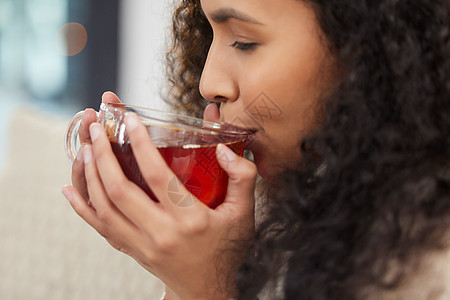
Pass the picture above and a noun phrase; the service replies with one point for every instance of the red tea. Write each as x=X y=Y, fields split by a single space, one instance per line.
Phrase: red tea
x=196 y=166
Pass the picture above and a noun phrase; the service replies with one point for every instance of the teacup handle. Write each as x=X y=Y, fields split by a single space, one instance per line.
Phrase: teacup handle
x=71 y=138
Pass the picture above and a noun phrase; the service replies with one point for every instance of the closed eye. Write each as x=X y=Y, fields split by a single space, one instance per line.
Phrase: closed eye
x=244 y=46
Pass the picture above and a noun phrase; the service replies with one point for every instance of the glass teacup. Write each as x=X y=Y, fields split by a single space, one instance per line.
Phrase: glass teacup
x=188 y=145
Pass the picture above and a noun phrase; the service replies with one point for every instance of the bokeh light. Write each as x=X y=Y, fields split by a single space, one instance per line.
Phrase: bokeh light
x=71 y=38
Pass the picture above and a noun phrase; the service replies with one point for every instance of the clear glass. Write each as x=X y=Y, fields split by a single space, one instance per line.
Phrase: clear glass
x=188 y=145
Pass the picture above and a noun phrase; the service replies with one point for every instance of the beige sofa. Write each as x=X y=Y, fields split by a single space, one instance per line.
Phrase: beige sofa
x=46 y=250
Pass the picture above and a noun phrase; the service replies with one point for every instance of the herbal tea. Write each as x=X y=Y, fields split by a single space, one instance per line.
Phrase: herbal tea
x=195 y=165
x=187 y=144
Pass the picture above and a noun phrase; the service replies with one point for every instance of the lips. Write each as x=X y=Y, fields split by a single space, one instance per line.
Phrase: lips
x=237 y=129
x=249 y=132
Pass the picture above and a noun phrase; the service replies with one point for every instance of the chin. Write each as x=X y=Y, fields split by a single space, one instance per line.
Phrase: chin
x=267 y=166
x=264 y=170
x=263 y=159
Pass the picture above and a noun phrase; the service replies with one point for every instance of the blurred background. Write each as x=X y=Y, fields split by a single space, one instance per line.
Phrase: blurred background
x=56 y=58
x=61 y=55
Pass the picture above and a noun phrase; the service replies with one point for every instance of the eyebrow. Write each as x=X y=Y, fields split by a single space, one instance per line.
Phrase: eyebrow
x=222 y=15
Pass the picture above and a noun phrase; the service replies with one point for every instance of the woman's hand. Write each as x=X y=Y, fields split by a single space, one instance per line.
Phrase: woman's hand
x=192 y=249
x=89 y=116
x=211 y=113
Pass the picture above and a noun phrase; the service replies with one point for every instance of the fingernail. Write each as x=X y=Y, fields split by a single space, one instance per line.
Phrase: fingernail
x=225 y=152
x=87 y=153
x=67 y=194
x=131 y=121
x=95 y=131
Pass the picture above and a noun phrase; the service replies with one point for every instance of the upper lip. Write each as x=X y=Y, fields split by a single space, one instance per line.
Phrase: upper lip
x=241 y=124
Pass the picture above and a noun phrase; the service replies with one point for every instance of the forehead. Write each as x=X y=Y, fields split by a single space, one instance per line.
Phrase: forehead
x=262 y=9
x=279 y=17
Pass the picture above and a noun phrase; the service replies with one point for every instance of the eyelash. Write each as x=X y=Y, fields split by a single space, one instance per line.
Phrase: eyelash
x=243 y=46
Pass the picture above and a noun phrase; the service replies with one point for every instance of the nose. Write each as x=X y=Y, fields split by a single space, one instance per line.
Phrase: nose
x=218 y=82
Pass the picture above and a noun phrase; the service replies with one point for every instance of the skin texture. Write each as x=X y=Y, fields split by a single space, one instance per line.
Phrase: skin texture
x=280 y=45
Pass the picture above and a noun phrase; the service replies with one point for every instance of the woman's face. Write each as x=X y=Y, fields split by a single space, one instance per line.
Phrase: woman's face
x=268 y=64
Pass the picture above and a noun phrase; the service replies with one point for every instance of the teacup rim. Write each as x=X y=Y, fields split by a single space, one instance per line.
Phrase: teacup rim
x=214 y=126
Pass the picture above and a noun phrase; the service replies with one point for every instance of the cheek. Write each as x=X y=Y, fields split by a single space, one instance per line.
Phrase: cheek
x=289 y=77
x=281 y=96
x=291 y=89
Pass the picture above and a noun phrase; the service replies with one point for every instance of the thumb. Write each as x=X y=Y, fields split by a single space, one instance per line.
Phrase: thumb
x=241 y=173
x=211 y=113
x=110 y=97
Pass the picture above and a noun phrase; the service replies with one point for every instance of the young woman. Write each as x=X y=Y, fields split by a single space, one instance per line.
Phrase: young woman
x=350 y=101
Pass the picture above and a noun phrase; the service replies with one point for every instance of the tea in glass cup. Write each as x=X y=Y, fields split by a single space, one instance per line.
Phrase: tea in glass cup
x=188 y=145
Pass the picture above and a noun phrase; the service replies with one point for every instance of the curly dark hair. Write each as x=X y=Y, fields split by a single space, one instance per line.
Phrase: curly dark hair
x=192 y=36
x=380 y=198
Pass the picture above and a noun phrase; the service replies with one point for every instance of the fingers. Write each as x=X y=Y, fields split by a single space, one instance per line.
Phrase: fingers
x=114 y=188
x=119 y=236
x=78 y=178
x=190 y=215
x=108 y=214
x=80 y=206
x=89 y=117
x=211 y=113
x=153 y=167
x=110 y=97
x=242 y=177
x=106 y=211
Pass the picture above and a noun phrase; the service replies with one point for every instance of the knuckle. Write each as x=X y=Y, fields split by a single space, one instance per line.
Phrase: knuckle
x=154 y=178
x=150 y=257
x=165 y=242
x=116 y=190
x=104 y=216
x=195 y=225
